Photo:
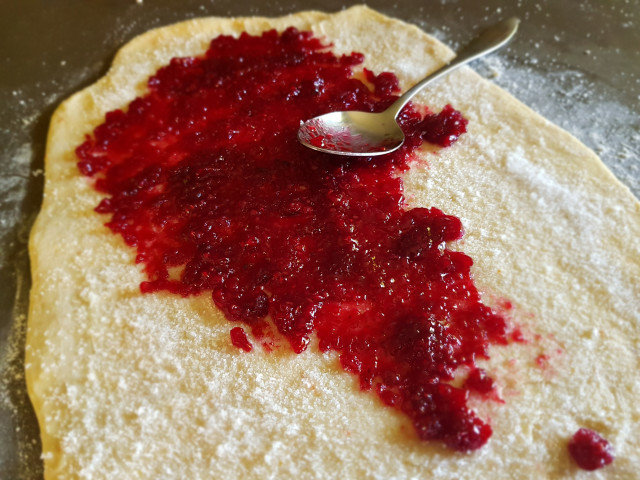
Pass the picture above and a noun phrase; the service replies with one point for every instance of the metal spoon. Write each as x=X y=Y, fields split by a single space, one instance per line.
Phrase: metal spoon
x=364 y=133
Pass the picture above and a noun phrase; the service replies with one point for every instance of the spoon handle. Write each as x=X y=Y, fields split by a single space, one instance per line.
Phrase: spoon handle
x=489 y=40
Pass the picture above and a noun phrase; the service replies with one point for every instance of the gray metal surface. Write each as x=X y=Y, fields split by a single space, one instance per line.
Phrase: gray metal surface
x=575 y=62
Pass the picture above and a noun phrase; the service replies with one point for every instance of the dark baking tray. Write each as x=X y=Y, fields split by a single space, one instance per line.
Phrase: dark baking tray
x=575 y=62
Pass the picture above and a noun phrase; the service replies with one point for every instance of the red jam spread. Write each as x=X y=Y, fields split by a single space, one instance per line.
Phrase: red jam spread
x=589 y=450
x=204 y=176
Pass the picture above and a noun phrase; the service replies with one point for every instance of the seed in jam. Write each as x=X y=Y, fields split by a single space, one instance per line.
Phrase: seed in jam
x=205 y=178
x=589 y=450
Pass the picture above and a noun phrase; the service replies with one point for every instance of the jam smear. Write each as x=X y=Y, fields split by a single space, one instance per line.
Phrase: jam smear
x=589 y=450
x=205 y=178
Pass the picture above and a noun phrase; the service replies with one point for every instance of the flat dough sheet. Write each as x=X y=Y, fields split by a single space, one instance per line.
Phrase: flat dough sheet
x=127 y=385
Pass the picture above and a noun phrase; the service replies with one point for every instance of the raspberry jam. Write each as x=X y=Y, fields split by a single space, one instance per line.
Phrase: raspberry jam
x=205 y=178
x=589 y=450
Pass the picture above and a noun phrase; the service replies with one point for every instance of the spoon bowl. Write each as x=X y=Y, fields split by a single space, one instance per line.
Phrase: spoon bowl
x=352 y=133
x=355 y=133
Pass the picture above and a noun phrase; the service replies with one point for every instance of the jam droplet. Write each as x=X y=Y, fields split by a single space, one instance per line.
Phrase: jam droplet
x=204 y=176
x=589 y=450
x=239 y=339
x=443 y=128
x=479 y=381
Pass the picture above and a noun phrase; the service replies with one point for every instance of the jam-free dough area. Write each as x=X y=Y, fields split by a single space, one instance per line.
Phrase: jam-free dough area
x=129 y=385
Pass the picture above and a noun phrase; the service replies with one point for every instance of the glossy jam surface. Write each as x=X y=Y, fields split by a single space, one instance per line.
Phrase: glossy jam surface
x=589 y=450
x=204 y=176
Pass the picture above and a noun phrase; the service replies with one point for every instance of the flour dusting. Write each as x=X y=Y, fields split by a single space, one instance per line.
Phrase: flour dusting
x=580 y=221
x=579 y=104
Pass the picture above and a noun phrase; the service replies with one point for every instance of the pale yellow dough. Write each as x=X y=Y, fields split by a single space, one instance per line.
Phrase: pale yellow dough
x=127 y=385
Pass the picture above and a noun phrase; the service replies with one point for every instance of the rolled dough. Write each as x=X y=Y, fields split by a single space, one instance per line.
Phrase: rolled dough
x=127 y=385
